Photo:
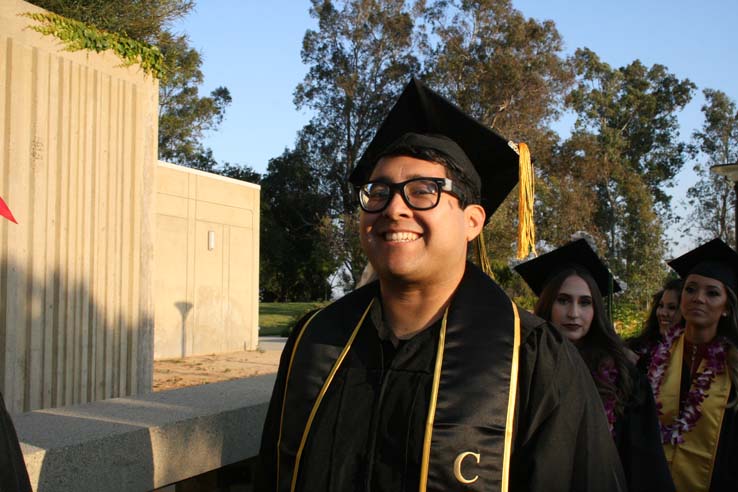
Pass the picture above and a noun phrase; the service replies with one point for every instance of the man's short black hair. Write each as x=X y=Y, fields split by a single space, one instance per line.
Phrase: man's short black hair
x=469 y=192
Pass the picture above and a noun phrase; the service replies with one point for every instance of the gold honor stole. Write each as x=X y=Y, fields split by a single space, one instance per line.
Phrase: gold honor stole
x=692 y=461
x=469 y=428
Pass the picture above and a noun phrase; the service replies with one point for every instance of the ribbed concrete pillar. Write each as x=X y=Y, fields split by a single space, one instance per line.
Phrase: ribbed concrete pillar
x=78 y=140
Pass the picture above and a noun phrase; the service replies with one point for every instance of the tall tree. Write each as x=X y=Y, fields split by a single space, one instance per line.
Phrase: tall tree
x=625 y=143
x=184 y=115
x=712 y=198
x=358 y=59
x=295 y=230
x=504 y=69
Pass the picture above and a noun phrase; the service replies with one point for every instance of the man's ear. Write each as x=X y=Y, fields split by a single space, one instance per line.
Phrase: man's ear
x=474 y=216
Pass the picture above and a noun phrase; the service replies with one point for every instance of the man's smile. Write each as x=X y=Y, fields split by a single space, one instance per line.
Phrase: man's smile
x=401 y=237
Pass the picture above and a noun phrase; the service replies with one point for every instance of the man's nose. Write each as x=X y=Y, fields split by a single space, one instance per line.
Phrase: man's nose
x=396 y=206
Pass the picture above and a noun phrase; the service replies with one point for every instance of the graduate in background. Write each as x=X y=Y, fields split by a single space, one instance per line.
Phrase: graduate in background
x=430 y=378
x=664 y=314
x=569 y=282
x=694 y=373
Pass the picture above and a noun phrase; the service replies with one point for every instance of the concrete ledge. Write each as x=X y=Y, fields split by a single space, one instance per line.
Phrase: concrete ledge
x=146 y=442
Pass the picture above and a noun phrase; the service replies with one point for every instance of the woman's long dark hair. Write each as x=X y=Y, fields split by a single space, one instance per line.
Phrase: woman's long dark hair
x=601 y=346
x=651 y=333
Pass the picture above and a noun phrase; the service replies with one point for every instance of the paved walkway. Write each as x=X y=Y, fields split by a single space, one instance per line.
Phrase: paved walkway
x=272 y=343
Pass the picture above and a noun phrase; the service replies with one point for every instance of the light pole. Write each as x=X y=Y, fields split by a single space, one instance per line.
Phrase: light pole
x=730 y=171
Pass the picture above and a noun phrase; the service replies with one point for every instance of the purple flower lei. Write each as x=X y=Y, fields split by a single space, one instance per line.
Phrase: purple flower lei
x=692 y=408
x=607 y=373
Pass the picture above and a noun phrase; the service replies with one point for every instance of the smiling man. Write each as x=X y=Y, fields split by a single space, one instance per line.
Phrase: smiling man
x=430 y=378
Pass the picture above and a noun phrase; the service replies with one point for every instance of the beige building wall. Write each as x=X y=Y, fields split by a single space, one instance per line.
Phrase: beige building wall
x=206 y=263
x=78 y=140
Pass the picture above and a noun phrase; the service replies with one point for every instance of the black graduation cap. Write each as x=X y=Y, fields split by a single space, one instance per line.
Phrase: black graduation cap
x=423 y=117
x=539 y=271
x=714 y=259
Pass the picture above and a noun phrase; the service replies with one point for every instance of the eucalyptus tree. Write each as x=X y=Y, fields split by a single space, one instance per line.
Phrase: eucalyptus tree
x=626 y=144
x=506 y=70
x=509 y=72
x=184 y=115
x=359 y=58
x=712 y=197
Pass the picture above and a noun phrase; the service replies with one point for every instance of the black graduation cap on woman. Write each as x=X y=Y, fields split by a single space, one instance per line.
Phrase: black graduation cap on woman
x=422 y=117
x=714 y=259
x=539 y=271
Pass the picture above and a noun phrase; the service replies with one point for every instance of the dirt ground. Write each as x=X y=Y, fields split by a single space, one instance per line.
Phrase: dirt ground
x=213 y=368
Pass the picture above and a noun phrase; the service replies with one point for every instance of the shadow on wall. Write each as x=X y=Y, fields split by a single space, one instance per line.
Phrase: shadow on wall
x=65 y=341
x=184 y=309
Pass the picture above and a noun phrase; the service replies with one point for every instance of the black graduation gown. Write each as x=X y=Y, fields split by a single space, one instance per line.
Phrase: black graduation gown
x=367 y=434
x=642 y=348
x=13 y=474
x=725 y=472
x=638 y=439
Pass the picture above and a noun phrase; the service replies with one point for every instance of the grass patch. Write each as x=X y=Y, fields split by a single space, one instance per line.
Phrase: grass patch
x=278 y=318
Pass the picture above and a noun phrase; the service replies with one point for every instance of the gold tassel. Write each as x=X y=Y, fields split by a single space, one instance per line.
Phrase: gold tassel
x=482 y=258
x=526 y=196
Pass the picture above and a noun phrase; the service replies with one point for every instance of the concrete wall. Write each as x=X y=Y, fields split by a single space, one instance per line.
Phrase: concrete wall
x=145 y=442
x=206 y=263
x=78 y=139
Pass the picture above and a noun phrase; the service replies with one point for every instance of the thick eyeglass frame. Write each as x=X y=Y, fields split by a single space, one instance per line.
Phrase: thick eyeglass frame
x=444 y=184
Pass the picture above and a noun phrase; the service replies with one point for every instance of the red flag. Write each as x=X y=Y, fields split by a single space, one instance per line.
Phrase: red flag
x=5 y=211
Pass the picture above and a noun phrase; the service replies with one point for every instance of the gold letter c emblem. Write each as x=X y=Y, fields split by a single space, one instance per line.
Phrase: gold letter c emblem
x=457 y=467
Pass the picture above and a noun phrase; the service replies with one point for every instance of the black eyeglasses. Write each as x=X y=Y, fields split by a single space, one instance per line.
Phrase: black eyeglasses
x=417 y=193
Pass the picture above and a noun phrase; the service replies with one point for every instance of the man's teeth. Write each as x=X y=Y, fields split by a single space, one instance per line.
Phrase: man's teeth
x=401 y=236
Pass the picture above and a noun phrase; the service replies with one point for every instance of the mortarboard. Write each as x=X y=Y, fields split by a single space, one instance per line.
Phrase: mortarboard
x=714 y=259
x=539 y=271
x=422 y=117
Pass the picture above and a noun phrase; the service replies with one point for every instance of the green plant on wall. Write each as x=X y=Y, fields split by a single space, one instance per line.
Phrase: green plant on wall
x=78 y=36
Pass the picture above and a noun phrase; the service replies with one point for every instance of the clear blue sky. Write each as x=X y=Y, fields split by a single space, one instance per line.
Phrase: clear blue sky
x=253 y=48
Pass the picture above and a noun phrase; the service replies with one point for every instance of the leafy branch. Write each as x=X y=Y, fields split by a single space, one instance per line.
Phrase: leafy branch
x=78 y=36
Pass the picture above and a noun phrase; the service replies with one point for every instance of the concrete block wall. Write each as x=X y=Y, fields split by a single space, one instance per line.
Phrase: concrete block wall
x=206 y=263
x=78 y=143
x=146 y=442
